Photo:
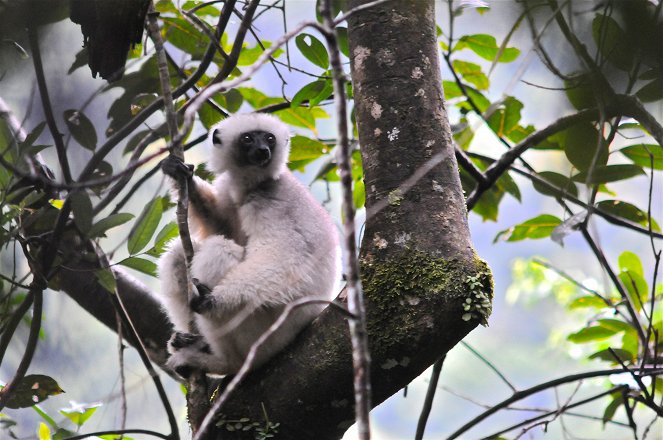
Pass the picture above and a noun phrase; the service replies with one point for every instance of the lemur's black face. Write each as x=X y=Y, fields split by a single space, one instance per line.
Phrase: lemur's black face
x=253 y=147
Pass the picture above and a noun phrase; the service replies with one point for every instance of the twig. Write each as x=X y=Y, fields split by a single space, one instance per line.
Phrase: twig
x=142 y=352
x=238 y=44
x=11 y=324
x=541 y=387
x=37 y=294
x=606 y=216
x=358 y=334
x=197 y=382
x=46 y=103
x=489 y=365
x=41 y=270
x=123 y=381
x=603 y=261
x=118 y=432
x=151 y=173
x=428 y=400
x=556 y=412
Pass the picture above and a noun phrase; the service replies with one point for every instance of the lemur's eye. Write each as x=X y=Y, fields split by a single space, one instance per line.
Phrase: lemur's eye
x=245 y=139
x=271 y=140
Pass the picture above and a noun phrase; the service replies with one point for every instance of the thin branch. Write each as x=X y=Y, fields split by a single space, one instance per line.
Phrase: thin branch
x=37 y=300
x=557 y=411
x=142 y=351
x=162 y=65
x=541 y=387
x=11 y=324
x=428 y=400
x=118 y=432
x=466 y=163
x=603 y=261
x=358 y=333
x=489 y=365
x=565 y=195
x=41 y=270
x=238 y=44
x=197 y=382
x=46 y=103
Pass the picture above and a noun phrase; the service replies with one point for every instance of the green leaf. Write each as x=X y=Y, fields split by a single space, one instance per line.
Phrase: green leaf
x=106 y=278
x=591 y=334
x=141 y=265
x=313 y=50
x=81 y=207
x=537 y=227
x=167 y=233
x=615 y=325
x=359 y=194
x=305 y=148
x=587 y=302
x=645 y=155
x=627 y=211
x=506 y=116
x=145 y=226
x=451 y=90
x=81 y=129
x=608 y=173
x=613 y=406
x=581 y=143
x=32 y=137
x=342 y=36
x=471 y=73
x=612 y=42
x=32 y=389
x=563 y=184
x=135 y=140
x=486 y=47
x=579 y=91
x=477 y=97
x=256 y=98
x=79 y=413
x=140 y=101
x=314 y=92
x=249 y=56
x=185 y=36
x=630 y=261
x=488 y=205
x=299 y=117
x=652 y=91
x=636 y=286
x=607 y=355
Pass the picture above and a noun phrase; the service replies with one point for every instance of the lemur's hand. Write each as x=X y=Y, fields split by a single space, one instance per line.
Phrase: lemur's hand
x=203 y=300
x=175 y=168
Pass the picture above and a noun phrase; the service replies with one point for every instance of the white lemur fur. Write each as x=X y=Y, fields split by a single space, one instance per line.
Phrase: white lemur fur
x=261 y=241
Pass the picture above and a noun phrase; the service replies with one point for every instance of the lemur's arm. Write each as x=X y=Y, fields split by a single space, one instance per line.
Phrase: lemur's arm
x=203 y=200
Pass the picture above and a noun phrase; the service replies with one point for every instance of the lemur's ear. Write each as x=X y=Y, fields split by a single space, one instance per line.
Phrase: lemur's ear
x=216 y=137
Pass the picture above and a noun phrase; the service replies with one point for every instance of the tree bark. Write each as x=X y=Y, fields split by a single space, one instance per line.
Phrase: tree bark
x=425 y=287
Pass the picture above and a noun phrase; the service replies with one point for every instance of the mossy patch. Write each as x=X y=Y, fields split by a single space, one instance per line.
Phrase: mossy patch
x=402 y=291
